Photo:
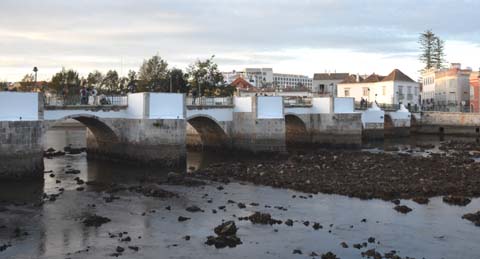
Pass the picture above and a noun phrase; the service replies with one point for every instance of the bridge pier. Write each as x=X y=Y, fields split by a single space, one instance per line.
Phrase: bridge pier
x=21 y=150
x=259 y=124
x=147 y=142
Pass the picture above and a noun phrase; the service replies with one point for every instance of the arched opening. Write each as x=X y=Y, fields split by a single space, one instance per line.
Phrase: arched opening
x=388 y=122
x=205 y=133
x=296 y=131
x=79 y=132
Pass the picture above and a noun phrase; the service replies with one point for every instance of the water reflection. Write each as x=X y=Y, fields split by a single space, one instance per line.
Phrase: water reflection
x=56 y=231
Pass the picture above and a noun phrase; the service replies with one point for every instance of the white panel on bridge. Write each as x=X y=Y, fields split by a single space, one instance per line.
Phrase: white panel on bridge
x=242 y=104
x=321 y=105
x=18 y=106
x=373 y=115
x=270 y=107
x=344 y=105
x=136 y=105
x=167 y=106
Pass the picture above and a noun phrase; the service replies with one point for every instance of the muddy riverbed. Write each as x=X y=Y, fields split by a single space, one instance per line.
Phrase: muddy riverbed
x=156 y=214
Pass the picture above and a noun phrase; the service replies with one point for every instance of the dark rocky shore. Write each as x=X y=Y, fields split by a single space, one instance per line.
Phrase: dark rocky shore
x=364 y=175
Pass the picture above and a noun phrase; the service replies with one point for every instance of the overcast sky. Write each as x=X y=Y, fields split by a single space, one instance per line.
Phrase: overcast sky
x=291 y=36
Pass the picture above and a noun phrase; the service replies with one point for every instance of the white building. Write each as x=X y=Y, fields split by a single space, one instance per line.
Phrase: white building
x=395 y=88
x=264 y=77
x=326 y=83
x=446 y=89
x=286 y=81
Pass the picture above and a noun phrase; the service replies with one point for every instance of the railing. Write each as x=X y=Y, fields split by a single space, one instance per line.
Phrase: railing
x=297 y=101
x=101 y=100
x=386 y=106
x=209 y=101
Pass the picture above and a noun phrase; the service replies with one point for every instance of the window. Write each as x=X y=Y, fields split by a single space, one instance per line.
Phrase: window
x=384 y=90
x=321 y=88
x=409 y=90
x=365 y=91
x=347 y=92
x=400 y=89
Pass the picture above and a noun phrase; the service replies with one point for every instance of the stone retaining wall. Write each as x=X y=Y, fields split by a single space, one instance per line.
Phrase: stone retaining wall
x=21 y=150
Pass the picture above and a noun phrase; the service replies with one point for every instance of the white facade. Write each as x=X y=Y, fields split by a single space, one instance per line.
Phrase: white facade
x=264 y=77
x=446 y=89
x=388 y=92
x=326 y=83
x=291 y=81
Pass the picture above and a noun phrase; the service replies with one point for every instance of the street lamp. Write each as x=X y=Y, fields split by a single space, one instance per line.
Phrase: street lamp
x=35 y=70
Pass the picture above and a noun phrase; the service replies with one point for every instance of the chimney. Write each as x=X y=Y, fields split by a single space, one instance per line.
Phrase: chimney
x=358 y=78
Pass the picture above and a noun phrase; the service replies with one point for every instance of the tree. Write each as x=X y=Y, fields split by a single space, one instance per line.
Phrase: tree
x=111 y=82
x=27 y=83
x=179 y=80
x=65 y=81
x=153 y=74
x=3 y=86
x=427 y=41
x=131 y=83
x=432 y=50
x=438 y=55
x=205 y=77
x=95 y=78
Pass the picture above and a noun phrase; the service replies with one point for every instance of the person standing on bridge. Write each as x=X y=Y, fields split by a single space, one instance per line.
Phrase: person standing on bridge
x=194 y=95
x=83 y=95
x=93 y=94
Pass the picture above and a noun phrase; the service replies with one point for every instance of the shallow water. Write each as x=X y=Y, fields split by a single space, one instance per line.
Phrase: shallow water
x=55 y=230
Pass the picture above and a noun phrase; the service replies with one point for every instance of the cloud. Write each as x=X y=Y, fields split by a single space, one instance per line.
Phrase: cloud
x=51 y=32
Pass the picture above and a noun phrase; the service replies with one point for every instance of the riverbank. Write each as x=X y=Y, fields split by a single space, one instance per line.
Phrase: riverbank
x=410 y=174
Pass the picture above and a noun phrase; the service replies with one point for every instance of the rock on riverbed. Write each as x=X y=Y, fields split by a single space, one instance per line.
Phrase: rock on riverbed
x=226 y=236
x=359 y=174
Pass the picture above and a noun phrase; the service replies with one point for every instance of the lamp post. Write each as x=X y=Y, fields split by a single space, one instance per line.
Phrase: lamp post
x=35 y=70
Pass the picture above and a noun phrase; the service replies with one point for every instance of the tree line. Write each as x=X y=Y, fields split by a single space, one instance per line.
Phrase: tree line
x=154 y=75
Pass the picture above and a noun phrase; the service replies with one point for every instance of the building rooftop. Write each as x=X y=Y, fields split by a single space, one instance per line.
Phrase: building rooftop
x=330 y=76
x=395 y=75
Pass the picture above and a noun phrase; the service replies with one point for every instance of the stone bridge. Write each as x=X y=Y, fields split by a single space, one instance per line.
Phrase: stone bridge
x=152 y=128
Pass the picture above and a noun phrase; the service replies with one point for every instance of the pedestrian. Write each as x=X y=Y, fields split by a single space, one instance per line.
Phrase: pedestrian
x=194 y=95
x=83 y=94
x=94 y=96
x=65 y=94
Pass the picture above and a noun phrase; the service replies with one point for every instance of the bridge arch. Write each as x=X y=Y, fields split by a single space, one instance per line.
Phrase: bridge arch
x=209 y=132
x=100 y=135
x=388 y=122
x=296 y=132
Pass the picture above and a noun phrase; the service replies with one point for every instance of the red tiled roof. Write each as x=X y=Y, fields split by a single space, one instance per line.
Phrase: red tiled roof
x=373 y=78
x=351 y=79
x=241 y=83
x=397 y=75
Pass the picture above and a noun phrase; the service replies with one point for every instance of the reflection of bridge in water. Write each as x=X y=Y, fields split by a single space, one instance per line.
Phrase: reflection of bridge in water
x=152 y=128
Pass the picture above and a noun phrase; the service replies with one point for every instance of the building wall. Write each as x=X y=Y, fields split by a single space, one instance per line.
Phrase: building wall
x=448 y=88
x=291 y=81
x=330 y=86
x=475 y=92
x=389 y=92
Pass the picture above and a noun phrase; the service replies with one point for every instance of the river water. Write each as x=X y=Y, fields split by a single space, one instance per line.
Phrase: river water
x=55 y=229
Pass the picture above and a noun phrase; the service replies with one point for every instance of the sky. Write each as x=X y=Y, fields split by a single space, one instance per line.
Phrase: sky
x=291 y=36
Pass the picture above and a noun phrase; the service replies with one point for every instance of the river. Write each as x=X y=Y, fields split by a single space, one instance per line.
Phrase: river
x=54 y=229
